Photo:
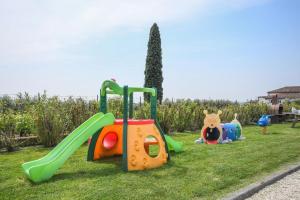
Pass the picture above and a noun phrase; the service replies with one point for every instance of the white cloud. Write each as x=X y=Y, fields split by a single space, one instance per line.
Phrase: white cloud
x=40 y=30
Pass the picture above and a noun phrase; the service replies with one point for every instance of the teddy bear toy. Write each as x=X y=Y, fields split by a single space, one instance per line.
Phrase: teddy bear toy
x=211 y=131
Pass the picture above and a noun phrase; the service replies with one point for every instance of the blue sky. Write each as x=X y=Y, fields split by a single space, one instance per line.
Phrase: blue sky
x=212 y=49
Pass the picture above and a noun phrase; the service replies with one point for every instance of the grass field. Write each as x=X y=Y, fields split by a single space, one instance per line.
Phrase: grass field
x=200 y=172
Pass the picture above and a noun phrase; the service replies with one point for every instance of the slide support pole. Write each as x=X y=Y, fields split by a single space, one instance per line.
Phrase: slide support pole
x=125 y=126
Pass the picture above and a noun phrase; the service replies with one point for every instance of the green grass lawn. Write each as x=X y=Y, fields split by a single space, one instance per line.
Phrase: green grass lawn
x=200 y=172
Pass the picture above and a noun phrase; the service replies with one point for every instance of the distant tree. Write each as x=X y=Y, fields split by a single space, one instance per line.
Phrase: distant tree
x=153 y=70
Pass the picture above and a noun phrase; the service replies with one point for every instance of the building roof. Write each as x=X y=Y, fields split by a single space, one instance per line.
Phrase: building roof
x=283 y=96
x=270 y=97
x=288 y=89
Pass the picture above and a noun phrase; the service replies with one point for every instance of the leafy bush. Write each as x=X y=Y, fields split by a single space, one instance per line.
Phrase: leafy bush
x=24 y=124
x=50 y=121
x=115 y=106
x=287 y=106
x=6 y=104
x=51 y=118
x=8 y=131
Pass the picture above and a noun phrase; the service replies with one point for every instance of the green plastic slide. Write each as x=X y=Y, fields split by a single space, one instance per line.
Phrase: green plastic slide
x=173 y=145
x=44 y=168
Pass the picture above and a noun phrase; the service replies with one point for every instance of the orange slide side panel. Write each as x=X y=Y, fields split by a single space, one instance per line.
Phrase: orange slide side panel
x=100 y=151
x=138 y=159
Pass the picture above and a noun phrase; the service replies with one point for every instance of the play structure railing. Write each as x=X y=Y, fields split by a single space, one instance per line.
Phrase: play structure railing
x=111 y=87
x=114 y=88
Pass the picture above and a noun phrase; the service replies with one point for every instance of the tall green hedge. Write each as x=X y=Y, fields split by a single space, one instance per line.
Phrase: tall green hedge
x=51 y=118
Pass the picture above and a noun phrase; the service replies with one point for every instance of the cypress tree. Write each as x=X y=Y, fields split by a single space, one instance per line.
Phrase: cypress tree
x=153 y=70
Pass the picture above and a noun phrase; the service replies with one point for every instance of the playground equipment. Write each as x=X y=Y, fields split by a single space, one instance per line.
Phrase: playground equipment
x=237 y=122
x=263 y=122
x=233 y=130
x=127 y=137
x=213 y=132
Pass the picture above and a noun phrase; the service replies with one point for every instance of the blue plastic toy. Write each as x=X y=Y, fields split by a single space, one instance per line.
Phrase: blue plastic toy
x=231 y=131
x=264 y=120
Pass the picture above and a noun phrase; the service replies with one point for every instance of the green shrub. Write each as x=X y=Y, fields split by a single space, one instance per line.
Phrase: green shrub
x=115 y=106
x=50 y=121
x=164 y=115
x=24 y=124
x=187 y=115
x=7 y=104
x=8 y=131
x=287 y=106
x=54 y=117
